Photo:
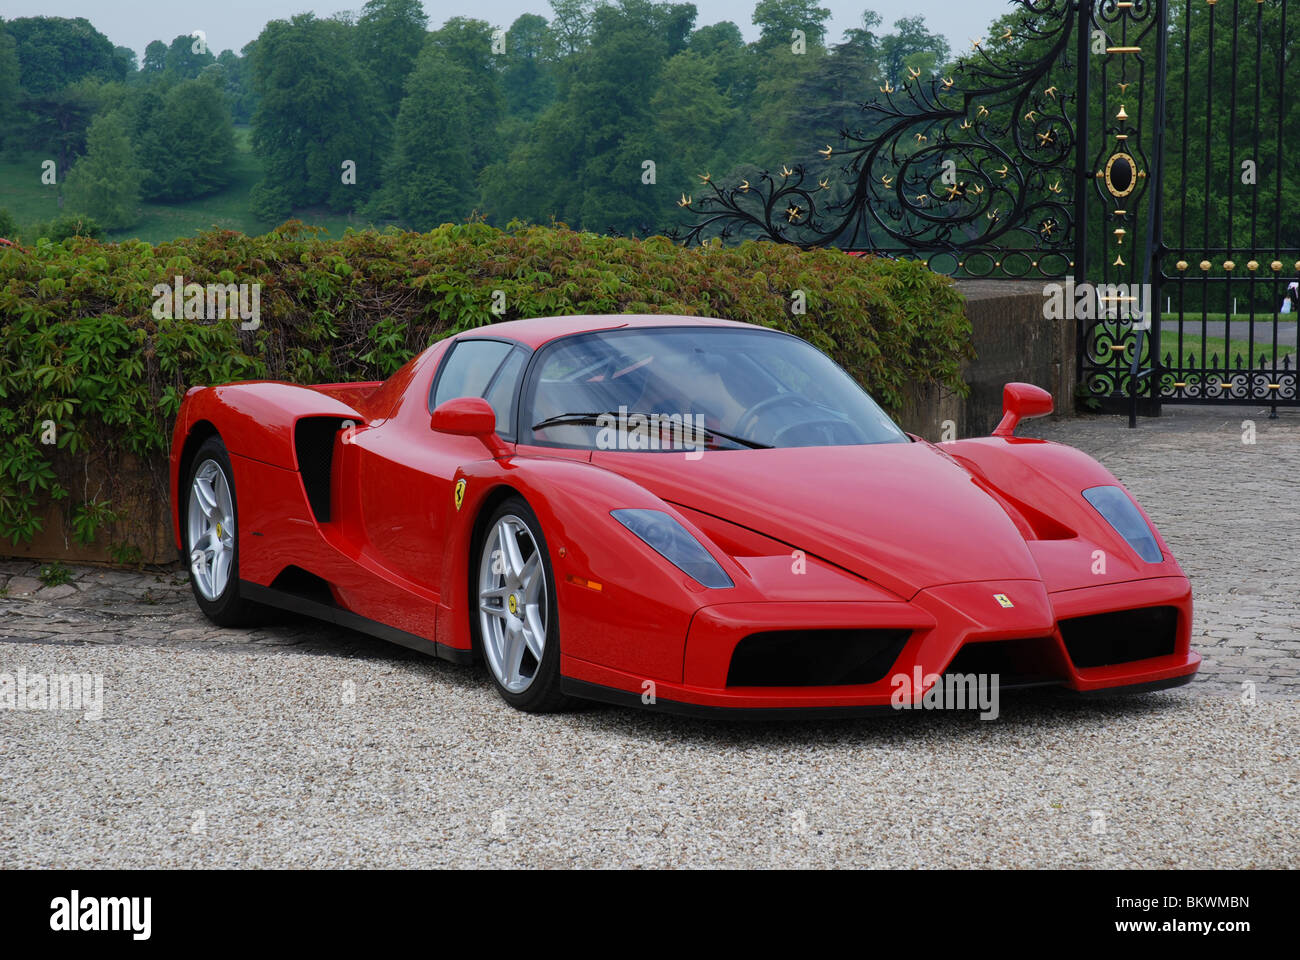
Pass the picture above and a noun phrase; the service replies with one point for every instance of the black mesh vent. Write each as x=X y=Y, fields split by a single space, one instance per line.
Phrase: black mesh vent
x=313 y=439
x=814 y=658
x=1018 y=663
x=1120 y=637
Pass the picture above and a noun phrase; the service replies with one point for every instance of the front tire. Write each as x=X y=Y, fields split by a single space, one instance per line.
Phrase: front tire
x=515 y=616
x=211 y=536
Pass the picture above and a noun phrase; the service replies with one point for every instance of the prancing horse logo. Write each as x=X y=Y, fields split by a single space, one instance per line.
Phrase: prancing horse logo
x=1003 y=600
x=459 y=495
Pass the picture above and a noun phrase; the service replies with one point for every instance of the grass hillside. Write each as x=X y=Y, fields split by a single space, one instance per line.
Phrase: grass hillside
x=30 y=201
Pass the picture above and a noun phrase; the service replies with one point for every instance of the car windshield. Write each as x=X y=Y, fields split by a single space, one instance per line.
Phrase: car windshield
x=718 y=388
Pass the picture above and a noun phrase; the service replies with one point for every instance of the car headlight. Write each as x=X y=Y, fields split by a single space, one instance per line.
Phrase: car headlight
x=1122 y=514
x=674 y=543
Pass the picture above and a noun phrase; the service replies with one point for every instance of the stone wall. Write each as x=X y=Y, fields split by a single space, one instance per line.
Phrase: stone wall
x=1012 y=342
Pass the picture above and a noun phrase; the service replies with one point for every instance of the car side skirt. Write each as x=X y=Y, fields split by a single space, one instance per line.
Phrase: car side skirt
x=346 y=618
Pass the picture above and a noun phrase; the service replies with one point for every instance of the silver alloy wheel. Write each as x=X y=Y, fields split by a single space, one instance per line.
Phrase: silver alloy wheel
x=211 y=522
x=512 y=603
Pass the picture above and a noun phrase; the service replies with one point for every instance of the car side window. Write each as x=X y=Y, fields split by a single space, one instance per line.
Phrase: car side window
x=501 y=391
x=482 y=368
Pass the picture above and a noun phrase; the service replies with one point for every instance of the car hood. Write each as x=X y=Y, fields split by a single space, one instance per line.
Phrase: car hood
x=902 y=515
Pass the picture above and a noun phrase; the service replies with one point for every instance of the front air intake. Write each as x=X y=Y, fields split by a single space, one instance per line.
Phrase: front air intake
x=814 y=658
x=1120 y=637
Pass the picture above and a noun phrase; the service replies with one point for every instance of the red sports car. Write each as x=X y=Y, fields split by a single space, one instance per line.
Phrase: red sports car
x=691 y=513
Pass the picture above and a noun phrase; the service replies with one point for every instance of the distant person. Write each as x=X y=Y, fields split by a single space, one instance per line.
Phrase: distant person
x=1291 y=299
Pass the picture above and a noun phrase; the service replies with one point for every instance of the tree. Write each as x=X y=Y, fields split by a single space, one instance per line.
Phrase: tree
x=10 y=91
x=691 y=118
x=126 y=57
x=186 y=58
x=912 y=45
x=389 y=37
x=58 y=123
x=778 y=19
x=526 y=78
x=583 y=161
x=429 y=179
x=54 y=52
x=105 y=183
x=237 y=85
x=468 y=43
x=186 y=141
x=155 y=58
x=317 y=116
x=571 y=25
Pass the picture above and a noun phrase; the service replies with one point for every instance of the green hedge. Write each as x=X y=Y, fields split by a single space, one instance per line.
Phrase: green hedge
x=82 y=349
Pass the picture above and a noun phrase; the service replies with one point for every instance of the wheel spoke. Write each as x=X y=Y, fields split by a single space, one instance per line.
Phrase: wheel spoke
x=207 y=498
x=514 y=656
x=534 y=630
x=528 y=574
x=508 y=543
x=220 y=569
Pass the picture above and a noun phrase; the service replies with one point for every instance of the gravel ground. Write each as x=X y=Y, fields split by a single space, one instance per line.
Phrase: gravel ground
x=225 y=759
x=297 y=744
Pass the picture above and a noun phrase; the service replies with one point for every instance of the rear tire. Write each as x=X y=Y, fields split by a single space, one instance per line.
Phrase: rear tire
x=513 y=613
x=210 y=526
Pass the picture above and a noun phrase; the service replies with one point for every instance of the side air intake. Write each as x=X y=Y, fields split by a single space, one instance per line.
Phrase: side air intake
x=313 y=441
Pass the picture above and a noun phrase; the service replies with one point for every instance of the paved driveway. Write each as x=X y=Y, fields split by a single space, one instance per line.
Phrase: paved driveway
x=297 y=744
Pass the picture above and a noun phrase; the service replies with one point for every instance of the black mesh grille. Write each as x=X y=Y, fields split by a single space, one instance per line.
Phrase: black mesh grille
x=812 y=658
x=313 y=439
x=1120 y=637
x=1017 y=663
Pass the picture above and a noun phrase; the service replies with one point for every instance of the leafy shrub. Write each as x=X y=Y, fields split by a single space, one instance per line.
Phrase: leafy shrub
x=61 y=228
x=55 y=574
x=81 y=352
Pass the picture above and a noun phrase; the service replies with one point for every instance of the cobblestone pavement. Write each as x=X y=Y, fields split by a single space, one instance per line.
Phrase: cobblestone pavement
x=296 y=744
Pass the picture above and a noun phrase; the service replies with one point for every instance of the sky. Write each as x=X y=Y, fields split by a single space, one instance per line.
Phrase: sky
x=229 y=24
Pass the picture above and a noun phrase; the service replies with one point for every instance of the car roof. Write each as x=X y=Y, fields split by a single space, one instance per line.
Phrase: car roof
x=536 y=331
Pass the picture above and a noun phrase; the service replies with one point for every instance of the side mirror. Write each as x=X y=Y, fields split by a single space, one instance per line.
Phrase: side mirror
x=470 y=417
x=1021 y=401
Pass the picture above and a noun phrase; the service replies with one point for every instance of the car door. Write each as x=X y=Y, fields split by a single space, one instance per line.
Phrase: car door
x=406 y=470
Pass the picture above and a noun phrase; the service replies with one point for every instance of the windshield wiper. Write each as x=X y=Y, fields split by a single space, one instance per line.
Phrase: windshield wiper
x=593 y=420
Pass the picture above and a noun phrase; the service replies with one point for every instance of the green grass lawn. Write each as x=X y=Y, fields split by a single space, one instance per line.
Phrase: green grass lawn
x=30 y=201
x=1191 y=318
x=1219 y=346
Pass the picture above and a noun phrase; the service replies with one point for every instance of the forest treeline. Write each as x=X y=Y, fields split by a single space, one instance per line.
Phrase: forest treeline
x=601 y=115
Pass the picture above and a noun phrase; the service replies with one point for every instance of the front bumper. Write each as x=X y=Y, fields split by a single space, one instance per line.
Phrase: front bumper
x=965 y=627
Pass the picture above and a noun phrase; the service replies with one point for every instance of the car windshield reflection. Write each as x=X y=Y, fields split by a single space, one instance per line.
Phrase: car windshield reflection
x=717 y=388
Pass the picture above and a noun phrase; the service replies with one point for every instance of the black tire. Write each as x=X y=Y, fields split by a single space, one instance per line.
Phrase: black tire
x=229 y=609
x=543 y=693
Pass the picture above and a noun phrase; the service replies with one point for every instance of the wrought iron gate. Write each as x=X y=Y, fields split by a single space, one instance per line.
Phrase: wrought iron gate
x=1230 y=237
x=1094 y=142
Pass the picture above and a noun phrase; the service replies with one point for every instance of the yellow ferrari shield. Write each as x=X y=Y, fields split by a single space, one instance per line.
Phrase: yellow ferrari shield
x=459 y=495
x=1003 y=600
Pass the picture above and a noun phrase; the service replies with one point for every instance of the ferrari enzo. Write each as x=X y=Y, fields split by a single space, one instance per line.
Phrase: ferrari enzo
x=688 y=513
